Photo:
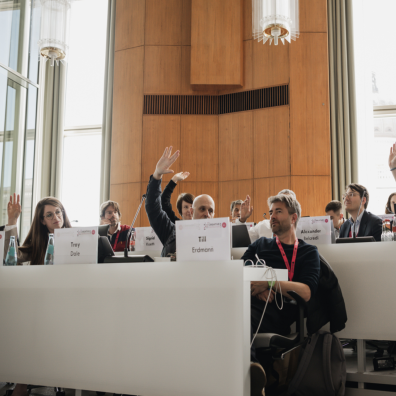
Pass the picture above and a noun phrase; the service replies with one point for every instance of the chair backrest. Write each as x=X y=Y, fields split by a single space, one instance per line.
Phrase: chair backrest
x=327 y=305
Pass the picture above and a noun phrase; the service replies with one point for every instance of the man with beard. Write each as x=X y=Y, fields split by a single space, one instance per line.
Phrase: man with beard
x=284 y=251
x=117 y=233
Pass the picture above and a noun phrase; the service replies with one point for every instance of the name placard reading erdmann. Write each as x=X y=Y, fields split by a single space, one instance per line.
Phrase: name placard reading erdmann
x=206 y=239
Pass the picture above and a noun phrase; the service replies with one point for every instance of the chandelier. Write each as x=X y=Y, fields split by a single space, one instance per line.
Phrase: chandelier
x=274 y=20
x=55 y=18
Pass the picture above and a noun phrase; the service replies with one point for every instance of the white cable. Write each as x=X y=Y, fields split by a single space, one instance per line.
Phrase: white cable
x=270 y=283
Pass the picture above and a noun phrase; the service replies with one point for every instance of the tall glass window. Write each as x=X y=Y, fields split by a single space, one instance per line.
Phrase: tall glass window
x=375 y=65
x=19 y=61
x=84 y=109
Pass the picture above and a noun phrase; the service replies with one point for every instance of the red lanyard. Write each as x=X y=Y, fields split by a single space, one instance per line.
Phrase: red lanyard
x=293 y=263
x=115 y=244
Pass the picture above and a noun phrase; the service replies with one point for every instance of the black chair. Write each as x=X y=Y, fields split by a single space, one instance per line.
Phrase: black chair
x=282 y=345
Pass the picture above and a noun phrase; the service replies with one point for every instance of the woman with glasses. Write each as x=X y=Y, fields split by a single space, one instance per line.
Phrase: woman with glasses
x=48 y=216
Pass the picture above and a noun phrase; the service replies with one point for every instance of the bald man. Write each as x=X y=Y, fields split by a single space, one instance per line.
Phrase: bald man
x=203 y=206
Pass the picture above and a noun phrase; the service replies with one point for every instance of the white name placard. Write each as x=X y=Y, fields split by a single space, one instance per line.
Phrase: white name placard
x=146 y=239
x=76 y=245
x=315 y=230
x=2 y=236
x=202 y=240
x=386 y=217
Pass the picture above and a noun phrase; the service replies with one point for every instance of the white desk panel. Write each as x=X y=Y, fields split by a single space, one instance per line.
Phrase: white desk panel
x=367 y=276
x=153 y=329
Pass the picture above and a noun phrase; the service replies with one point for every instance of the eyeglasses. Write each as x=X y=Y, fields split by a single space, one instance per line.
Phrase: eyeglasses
x=49 y=216
x=350 y=195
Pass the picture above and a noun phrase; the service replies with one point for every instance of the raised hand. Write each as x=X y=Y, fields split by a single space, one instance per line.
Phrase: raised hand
x=246 y=210
x=14 y=209
x=392 y=157
x=180 y=176
x=165 y=162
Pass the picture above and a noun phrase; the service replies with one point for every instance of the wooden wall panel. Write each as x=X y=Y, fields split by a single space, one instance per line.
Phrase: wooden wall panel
x=163 y=22
x=198 y=188
x=128 y=196
x=313 y=193
x=162 y=70
x=159 y=132
x=247 y=20
x=236 y=146
x=144 y=221
x=186 y=22
x=271 y=142
x=200 y=147
x=126 y=141
x=247 y=70
x=309 y=105
x=313 y=16
x=216 y=42
x=129 y=28
x=231 y=191
x=263 y=189
x=270 y=64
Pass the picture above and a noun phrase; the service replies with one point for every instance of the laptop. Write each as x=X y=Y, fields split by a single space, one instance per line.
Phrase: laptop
x=103 y=230
x=240 y=236
x=356 y=240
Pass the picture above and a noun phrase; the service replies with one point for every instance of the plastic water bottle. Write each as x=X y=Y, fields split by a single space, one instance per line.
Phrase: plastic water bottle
x=132 y=241
x=49 y=254
x=394 y=227
x=11 y=258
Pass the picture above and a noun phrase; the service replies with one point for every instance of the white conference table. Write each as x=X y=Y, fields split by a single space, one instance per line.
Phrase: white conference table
x=152 y=329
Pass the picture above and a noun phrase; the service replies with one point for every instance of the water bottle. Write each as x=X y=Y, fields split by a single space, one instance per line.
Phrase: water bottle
x=11 y=258
x=132 y=240
x=394 y=227
x=49 y=254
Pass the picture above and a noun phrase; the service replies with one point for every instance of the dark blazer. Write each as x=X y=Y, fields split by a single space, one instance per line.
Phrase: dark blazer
x=327 y=305
x=159 y=220
x=371 y=225
x=166 y=201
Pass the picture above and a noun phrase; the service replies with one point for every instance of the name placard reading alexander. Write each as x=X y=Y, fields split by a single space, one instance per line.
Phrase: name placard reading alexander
x=207 y=239
x=314 y=230
x=76 y=245
x=146 y=240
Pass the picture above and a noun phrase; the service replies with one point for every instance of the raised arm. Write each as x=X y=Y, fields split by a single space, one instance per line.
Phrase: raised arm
x=392 y=160
x=167 y=193
x=159 y=220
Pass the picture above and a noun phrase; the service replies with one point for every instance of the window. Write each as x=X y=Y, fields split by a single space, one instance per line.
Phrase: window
x=375 y=63
x=84 y=109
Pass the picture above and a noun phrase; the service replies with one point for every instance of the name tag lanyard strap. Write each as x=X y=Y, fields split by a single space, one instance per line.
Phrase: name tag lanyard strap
x=290 y=269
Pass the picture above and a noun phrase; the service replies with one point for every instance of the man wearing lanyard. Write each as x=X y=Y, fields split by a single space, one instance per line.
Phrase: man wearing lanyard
x=117 y=234
x=284 y=251
x=361 y=222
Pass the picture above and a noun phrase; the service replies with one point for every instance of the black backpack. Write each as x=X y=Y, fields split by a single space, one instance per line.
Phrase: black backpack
x=322 y=367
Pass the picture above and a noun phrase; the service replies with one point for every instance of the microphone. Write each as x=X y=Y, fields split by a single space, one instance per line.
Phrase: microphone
x=133 y=223
x=354 y=224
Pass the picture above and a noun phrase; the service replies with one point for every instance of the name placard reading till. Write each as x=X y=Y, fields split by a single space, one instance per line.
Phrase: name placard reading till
x=206 y=239
x=147 y=240
x=76 y=245
x=314 y=230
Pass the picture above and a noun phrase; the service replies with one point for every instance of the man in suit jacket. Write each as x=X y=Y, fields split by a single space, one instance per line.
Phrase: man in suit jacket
x=363 y=223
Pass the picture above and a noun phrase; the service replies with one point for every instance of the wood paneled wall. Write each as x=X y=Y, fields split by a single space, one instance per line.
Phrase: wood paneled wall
x=257 y=152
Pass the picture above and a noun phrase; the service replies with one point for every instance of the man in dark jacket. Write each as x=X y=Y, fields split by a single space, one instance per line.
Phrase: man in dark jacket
x=361 y=223
x=203 y=206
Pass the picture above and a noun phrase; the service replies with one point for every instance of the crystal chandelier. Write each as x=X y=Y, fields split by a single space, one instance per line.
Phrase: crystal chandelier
x=55 y=18
x=274 y=20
